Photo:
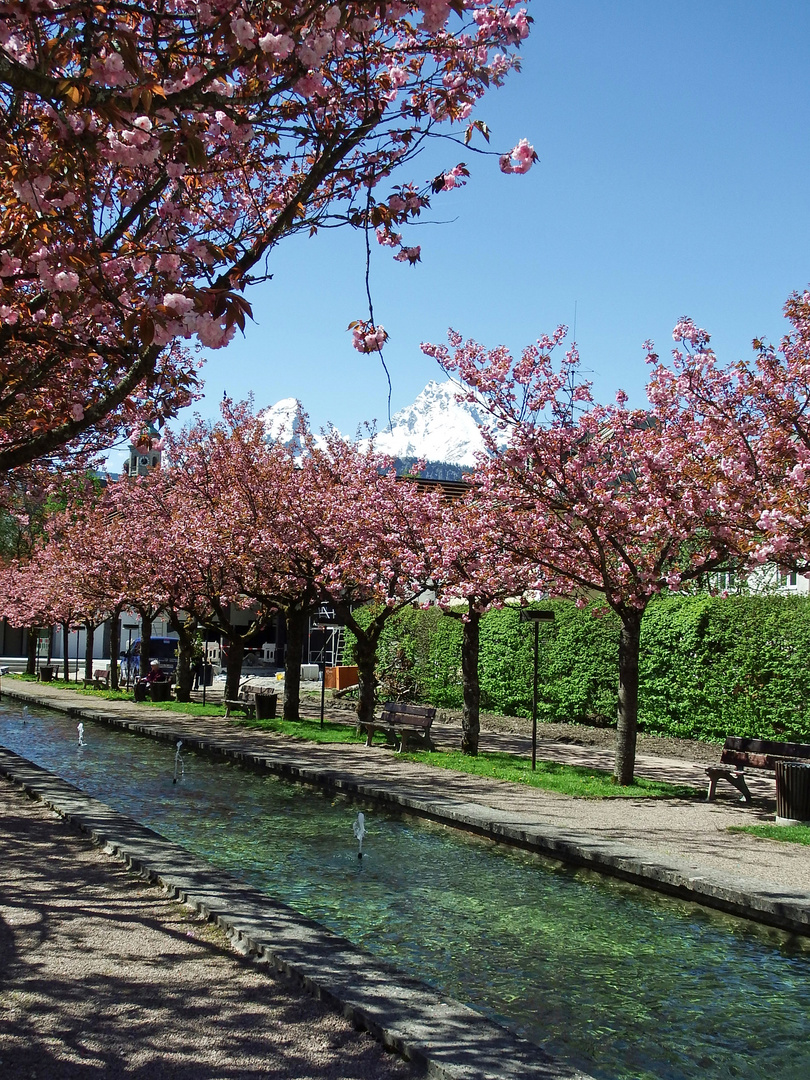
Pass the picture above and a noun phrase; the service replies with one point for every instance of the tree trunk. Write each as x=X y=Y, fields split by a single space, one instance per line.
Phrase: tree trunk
x=627 y=727
x=365 y=653
x=471 y=686
x=295 y=619
x=31 y=664
x=90 y=633
x=115 y=647
x=233 y=666
x=145 y=649
x=187 y=633
x=65 y=648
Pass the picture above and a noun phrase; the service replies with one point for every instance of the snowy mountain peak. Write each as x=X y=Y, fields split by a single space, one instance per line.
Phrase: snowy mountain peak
x=436 y=426
x=279 y=419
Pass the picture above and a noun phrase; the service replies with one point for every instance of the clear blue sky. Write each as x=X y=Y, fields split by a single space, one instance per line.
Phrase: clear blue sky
x=674 y=144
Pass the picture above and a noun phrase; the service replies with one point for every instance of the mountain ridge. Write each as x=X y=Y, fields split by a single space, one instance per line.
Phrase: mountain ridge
x=435 y=427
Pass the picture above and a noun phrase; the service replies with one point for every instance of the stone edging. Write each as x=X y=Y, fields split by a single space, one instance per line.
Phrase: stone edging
x=745 y=898
x=449 y=1040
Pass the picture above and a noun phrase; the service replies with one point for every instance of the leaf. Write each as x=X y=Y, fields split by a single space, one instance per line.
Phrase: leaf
x=147 y=330
x=195 y=151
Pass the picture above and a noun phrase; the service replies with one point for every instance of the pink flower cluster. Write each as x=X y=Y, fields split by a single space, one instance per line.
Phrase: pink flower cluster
x=368 y=337
x=520 y=159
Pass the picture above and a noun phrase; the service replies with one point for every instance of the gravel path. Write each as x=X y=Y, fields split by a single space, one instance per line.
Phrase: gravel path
x=103 y=975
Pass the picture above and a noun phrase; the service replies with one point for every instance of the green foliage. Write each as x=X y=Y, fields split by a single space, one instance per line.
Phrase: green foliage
x=419 y=656
x=710 y=666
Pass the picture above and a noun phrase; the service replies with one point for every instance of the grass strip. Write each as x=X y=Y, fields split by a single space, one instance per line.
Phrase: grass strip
x=788 y=834
x=577 y=781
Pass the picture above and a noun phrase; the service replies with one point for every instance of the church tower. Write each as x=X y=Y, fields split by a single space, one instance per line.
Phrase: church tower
x=145 y=451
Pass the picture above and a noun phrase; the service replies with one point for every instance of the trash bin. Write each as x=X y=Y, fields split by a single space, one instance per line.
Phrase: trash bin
x=160 y=691
x=265 y=705
x=139 y=691
x=792 y=793
x=46 y=673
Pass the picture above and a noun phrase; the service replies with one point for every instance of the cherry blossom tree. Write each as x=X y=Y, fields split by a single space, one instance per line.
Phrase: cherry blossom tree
x=765 y=402
x=374 y=541
x=475 y=572
x=154 y=156
x=602 y=500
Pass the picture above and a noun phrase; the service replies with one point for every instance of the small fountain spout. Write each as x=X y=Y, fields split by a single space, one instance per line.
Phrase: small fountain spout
x=25 y=714
x=359 y=830
x=178 y=763
x=80 y=729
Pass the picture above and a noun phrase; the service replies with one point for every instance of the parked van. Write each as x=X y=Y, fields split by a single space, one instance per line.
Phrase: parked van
x=162 y=649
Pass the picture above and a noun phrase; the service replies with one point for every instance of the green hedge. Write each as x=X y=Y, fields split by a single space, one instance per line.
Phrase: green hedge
x=710 y=667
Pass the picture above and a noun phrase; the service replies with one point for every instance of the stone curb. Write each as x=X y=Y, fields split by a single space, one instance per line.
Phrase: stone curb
x=735 y=895
x=449 y=1040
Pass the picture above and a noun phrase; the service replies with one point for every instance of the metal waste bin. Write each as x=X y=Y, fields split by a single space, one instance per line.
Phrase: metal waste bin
x=160 y=691
x=46 y=673
x=792 y=793
x=265 y=705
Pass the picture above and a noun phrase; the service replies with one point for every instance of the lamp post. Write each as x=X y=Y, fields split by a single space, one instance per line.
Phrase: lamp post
x=536 y=616
x=130 y=627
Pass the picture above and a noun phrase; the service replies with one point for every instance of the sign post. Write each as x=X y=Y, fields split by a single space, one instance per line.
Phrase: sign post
x=536 y=616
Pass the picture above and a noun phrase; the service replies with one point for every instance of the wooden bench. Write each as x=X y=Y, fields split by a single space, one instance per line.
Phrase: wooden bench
x=100 y=681
x=760 y=754
x=410 y=724
x=245 y=705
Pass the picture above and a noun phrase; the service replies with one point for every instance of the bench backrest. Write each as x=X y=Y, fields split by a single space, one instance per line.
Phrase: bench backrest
x=762 y=753
x=403 y=712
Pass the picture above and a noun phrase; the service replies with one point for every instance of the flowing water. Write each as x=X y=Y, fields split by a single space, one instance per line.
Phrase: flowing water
x=627 y=984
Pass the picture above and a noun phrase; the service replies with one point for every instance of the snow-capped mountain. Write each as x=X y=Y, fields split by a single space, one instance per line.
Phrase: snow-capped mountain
x=435 y=427
x=279 y=419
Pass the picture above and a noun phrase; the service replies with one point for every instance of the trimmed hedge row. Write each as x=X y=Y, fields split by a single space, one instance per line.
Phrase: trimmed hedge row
x=710 y=667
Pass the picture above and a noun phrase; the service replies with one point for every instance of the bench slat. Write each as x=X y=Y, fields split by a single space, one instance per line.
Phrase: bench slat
x=767 y=747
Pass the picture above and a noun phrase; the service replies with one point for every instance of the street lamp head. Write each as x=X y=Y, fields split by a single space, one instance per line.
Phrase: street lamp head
x=534 y=615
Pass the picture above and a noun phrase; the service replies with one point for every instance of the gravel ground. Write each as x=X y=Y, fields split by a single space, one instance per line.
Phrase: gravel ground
x=102 y=975
x=702 y=753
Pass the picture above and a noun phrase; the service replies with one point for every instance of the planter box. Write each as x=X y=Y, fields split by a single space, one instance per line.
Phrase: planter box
x=341 y=678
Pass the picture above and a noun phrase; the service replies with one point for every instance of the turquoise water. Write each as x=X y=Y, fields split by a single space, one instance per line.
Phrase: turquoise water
x=622 y=982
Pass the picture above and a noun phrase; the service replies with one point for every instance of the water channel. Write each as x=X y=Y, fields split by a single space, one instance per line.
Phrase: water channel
x=622 y=982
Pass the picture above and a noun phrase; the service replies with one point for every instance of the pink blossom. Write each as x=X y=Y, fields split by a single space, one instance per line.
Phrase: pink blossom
x=66 y=281
x=243 y=31
x=520 y=159
x=168 y=263
x=279 y=45
x=409 y=254
x=178 y=303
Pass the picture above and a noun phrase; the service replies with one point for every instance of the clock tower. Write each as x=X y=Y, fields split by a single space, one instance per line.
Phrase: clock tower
x=145 y=451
